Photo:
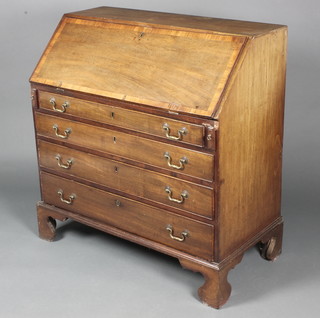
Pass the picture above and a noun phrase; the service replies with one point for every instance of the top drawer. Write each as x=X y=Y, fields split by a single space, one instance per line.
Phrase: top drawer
x=121 y=117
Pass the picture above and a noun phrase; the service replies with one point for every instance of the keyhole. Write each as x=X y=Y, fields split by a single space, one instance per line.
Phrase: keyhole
x=116 y=169
x=114 y=140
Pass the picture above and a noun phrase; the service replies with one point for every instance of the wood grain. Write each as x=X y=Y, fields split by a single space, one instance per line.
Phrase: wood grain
x=128 y=179
x=216 y=290
x=175 y=21
x=176 y=70
x=129 y=215
x=124 y=74
x=123 y=117
x=125 y=145
x=178 y=116
x=250 y=143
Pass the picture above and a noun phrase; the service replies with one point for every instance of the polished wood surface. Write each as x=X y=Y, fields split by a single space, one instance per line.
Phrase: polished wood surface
x=251 y=128
x=123 y=117
x=175 y=70
x=216 y=290
x=129 y=215
x=125 y=145
x=175 y=21
x=270 y=246
x=128 y=179
x=145 y=109
x=105 y=159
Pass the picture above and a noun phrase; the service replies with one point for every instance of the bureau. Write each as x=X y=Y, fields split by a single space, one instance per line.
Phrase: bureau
x=165 y=130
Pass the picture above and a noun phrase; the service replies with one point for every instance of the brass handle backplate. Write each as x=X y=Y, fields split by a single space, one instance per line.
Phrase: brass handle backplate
x=182 y=162
x=66 y=134
x=67 y=201
x=181 y=132
x=63 y=106
x=184 y=234
x=66 y=165
x=184 y=195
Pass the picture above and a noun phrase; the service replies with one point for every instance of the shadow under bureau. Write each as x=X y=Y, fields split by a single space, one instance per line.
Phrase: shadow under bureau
x=165 y=130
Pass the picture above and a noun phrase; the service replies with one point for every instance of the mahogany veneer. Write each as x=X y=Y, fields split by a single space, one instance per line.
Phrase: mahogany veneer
x=165 y=130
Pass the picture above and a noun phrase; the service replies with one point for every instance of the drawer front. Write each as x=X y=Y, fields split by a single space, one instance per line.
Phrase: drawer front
x=140 y=149
x=129 y=215
x=121 y=117
x=126 y=178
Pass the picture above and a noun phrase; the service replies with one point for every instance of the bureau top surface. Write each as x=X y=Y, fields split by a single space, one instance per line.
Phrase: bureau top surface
x=176 y=62
x=152 y=18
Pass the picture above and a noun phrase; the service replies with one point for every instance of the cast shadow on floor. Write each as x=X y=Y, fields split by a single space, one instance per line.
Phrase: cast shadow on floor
x=252 y=279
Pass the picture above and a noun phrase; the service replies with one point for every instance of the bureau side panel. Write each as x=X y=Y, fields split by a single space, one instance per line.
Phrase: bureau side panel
x=250 y=143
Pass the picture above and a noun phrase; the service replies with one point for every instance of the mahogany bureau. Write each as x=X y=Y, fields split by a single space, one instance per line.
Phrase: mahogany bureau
x=165 y=130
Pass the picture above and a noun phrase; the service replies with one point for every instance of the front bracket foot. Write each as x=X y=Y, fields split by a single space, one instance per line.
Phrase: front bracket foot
x=216 y=290
x=47 y=223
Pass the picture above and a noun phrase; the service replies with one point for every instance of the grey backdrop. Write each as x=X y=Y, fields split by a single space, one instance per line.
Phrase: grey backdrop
x=92 y=274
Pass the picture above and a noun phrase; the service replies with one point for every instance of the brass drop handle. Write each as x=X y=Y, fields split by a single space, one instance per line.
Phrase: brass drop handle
x=63 y=106
x=184 y=234
x=66 y=134
x=182 y=161
x=67 y=201
x=183 y=195
x=66 y=165
x=181 y=132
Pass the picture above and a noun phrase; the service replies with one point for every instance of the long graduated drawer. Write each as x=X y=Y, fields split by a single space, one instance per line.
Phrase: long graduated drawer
x=129 y=215
x=125 y=145
x=129 y=179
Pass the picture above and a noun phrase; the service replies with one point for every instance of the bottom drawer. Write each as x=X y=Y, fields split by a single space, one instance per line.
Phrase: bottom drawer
x=176 y=231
